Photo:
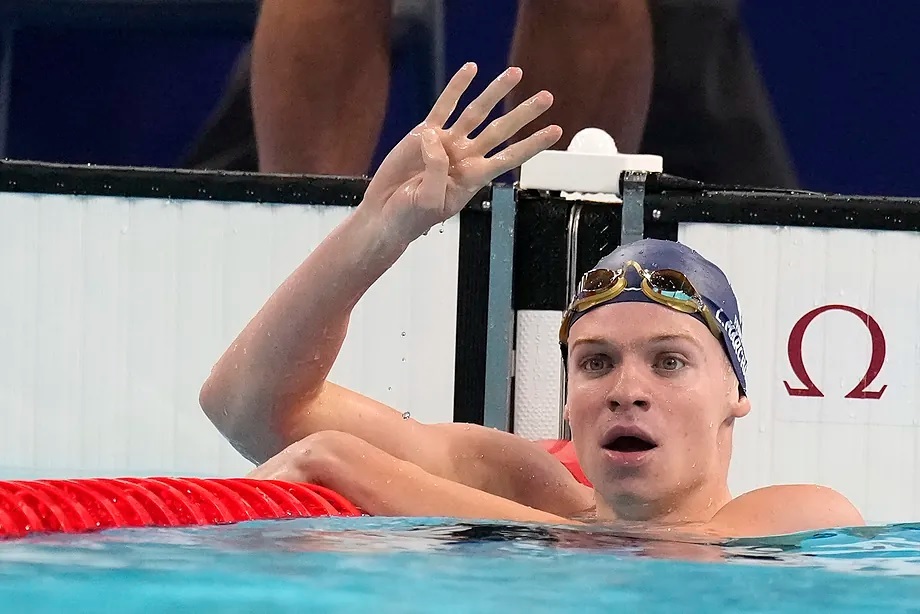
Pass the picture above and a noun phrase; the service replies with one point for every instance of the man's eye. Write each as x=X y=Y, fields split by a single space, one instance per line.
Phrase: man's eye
x=671 y=363
x=594 y=363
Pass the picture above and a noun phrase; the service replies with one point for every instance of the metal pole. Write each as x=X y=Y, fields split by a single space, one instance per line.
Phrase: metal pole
x=500 y=332
x=570 y=285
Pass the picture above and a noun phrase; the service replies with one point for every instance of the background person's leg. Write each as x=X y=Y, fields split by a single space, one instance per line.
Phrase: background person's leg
x=711 y=116
x=595 y=56
x=320 y=80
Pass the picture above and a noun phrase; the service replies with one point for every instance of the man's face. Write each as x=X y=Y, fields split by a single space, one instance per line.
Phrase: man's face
x=651 y=404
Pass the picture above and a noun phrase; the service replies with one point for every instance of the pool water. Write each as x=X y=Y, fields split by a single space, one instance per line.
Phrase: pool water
x=441 y=565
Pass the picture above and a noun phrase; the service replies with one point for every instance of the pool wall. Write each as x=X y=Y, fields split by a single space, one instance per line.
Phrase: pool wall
x=121 y=287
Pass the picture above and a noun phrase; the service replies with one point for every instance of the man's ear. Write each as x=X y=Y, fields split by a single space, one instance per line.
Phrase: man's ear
x=742 y=406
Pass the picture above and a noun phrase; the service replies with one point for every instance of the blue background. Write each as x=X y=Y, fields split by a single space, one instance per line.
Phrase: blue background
x=842 y=77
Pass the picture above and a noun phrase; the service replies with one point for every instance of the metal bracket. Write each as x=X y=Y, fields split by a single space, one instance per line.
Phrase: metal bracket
x=632 y=226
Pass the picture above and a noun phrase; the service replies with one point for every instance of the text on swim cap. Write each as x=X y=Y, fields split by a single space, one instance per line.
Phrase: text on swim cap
x=733 y=332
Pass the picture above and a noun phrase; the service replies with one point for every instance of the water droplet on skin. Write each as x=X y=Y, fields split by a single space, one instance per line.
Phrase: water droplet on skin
x=406 y=415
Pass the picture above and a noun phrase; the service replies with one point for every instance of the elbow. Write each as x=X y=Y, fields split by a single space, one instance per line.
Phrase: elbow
x=226 y=414
x=233 y=411
x=212 y=400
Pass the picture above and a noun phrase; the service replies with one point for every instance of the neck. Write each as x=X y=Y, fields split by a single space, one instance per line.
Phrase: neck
x=699 y=504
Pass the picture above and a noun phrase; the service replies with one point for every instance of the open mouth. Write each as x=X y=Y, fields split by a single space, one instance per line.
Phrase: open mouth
x=629 y=443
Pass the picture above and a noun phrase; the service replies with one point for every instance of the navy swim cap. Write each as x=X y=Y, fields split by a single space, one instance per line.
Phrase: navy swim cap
x=708 y=280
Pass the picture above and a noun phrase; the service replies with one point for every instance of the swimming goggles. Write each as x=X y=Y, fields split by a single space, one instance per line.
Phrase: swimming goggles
x=667 y=287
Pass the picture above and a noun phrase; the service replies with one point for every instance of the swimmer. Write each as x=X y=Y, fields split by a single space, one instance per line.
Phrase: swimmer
x=651 y=341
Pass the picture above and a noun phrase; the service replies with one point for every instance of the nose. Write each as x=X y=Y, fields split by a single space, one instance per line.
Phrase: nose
x=629 y=387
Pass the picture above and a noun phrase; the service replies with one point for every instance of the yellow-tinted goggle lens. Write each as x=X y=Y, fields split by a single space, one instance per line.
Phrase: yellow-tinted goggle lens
x=667 y=286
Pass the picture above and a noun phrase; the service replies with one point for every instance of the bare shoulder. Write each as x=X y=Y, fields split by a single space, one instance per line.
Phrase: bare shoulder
x=786 y=508
x=515 y=468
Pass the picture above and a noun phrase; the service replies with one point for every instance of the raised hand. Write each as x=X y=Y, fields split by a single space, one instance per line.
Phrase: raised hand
x=434 y=170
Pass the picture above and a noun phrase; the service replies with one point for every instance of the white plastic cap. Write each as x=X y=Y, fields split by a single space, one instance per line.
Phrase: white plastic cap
x=591 y=165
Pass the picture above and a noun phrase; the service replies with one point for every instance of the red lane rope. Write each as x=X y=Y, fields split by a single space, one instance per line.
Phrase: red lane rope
x=83 y=505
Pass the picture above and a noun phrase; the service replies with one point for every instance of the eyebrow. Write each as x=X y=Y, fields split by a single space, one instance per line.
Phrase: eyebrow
x=664 y=338
x=677 y=337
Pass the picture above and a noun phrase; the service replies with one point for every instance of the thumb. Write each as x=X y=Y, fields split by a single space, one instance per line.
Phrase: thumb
x=433 y=154
x=434 y=177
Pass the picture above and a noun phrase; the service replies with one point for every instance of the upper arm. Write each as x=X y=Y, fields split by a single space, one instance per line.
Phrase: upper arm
x=778 y=510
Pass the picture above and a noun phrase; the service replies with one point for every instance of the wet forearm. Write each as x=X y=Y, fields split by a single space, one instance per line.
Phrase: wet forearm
x=282 y=357
x=383 y=485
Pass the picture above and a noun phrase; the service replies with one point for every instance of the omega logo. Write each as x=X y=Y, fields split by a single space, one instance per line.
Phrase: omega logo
x=876 y=359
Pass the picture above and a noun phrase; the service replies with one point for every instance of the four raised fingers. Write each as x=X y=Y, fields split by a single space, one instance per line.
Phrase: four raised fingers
x=479 y=109
x=499 y=130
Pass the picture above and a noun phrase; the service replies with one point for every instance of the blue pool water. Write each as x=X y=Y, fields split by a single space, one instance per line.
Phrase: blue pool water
x=440 y=565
